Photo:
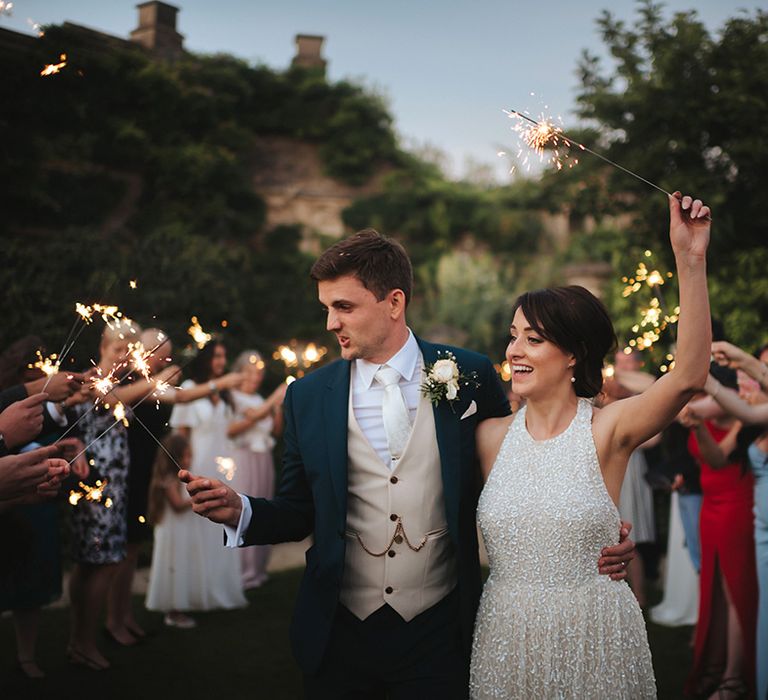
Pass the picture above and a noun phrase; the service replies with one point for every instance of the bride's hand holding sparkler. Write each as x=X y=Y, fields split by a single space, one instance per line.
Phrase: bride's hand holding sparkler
x=212 y=499
x=689 y=224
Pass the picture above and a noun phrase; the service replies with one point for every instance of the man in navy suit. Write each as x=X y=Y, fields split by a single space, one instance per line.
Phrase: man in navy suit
x=387 y=484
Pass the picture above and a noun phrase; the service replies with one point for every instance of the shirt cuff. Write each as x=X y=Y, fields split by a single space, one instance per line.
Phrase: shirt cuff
x=58 y=417
x=236 y=537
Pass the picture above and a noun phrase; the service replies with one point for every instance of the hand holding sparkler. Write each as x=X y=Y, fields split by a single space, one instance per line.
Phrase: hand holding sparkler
x=58 y=386
x=22 y=421
x=213 y=499
x=689 y=224
x=30 y=476
x=73 y=450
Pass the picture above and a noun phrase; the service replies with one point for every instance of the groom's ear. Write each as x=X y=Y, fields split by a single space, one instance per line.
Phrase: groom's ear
x=396 y=300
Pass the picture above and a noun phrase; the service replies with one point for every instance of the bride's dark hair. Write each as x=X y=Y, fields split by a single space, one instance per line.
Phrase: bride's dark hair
x=577 y=322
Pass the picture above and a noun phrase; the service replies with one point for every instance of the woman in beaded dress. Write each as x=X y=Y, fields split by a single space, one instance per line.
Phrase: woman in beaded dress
x=549 y=625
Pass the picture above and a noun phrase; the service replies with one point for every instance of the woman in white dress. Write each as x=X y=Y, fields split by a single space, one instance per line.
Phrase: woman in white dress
x=549 y=625
x=205 y=422
x=256 y=420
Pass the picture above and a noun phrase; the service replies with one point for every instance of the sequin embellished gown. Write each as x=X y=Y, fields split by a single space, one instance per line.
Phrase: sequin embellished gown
x=549 y=625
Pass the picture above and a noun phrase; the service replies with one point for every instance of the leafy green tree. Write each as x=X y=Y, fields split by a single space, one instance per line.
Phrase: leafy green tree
x=686 y=109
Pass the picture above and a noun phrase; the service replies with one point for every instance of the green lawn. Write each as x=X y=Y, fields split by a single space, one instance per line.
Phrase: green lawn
x=231 y=655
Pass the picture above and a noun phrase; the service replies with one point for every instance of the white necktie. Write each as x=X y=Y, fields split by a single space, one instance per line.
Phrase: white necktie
x=397 y=421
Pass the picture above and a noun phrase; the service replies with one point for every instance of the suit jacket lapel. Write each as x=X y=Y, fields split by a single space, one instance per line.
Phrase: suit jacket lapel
x=336 y=410
x=449 y=444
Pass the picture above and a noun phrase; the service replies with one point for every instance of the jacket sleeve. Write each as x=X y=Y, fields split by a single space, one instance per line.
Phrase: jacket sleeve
x=494 y=402
x=289 y=516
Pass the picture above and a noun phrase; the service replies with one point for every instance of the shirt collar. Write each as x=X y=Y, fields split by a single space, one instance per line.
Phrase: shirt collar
x=404 y=361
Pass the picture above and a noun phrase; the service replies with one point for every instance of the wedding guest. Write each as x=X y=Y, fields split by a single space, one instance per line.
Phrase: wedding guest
x=205 y=423
x=99 y=526
x=150 y=417
x=175 y=585
x=33 y=578
x=753 y=408
x=728 y=581
x=256 y=421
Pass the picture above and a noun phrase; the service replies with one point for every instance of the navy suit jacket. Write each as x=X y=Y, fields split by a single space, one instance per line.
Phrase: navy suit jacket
x=312 y=495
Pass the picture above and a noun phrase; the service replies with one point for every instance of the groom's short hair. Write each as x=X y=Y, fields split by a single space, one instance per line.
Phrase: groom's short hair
x=380 y=263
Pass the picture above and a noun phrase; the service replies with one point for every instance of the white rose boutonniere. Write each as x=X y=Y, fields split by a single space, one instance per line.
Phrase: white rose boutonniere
x=444 y=379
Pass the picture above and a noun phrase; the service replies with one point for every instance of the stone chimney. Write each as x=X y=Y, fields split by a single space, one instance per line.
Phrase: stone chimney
x=308 y=48
x=157 y=30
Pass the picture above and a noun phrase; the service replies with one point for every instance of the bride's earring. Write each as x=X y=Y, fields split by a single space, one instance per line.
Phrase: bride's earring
x=573 y=379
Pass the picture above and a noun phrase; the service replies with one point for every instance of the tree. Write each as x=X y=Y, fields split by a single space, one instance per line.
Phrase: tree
x=685 y=109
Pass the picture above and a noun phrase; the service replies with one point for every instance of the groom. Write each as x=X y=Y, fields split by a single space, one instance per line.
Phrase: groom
x=387 y=484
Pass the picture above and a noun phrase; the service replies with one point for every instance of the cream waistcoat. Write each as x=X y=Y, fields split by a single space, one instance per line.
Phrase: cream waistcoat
x=386 y=509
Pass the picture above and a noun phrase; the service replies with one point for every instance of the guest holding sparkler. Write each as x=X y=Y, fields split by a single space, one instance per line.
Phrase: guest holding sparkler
x=750 y=405
x=32 y=572
x=151 y=414
x=724 y=654
x=257 y=420
x=178 y=552
x=99 y=524
x=205 y=423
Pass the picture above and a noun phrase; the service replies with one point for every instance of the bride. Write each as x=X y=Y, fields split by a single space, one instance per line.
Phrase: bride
x=549 y=625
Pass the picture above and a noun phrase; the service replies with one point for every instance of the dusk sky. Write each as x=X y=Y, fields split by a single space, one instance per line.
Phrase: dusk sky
x=447 y=67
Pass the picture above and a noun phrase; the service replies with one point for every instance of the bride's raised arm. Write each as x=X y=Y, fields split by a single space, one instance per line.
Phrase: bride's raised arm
x=634 y=420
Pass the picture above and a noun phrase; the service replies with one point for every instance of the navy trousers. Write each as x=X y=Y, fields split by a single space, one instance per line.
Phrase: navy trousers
x=384 y=656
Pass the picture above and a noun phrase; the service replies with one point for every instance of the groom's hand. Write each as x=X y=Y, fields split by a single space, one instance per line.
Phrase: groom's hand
x=212 y=499
x=613 y=560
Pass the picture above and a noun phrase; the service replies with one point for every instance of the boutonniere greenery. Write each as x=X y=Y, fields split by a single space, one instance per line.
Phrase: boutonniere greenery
x=444 y=379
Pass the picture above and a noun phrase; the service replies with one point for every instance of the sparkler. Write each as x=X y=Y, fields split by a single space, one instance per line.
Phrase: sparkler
x=227 y=467
x=119 y=413
x=48 y=365
x=296 y=355
x=37 y=28
x=53 y=68
x=91 y=494
x=539 y=135
x=198 y=334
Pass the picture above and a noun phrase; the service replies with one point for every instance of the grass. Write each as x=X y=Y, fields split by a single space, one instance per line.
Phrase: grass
x=230 y=655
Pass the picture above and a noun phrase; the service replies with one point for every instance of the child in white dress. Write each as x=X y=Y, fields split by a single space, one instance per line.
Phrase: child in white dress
x=174 y=583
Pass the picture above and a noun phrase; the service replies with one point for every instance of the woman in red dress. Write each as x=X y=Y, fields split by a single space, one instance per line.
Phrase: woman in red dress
x=724 y=654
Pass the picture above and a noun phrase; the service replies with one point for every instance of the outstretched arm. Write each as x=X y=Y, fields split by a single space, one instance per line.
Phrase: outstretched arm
x=634 y=420
x=734 y=404
x=732 y=356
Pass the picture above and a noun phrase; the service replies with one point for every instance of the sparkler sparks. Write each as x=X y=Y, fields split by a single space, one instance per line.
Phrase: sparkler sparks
x=542 y=137
x=139 y=356
x=48 y=365
x=198 y=334
x=37 y=28
x=544 y=133
x=53 y=68
x=119 y=413
x=227 y=467
x=91 y=494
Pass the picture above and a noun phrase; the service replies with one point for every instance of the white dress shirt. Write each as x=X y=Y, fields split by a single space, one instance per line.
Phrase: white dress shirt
x=367 y=397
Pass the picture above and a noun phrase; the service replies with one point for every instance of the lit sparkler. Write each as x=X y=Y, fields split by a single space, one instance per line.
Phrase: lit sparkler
x=227 y=467
x=133 y=284
x=37 y=28
x=139 y=356
x=543 y=134
x=119 y=413
x=198 y=334
x=48 y=365
x=53 y=68
x=90 y=494
x=300 y=356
